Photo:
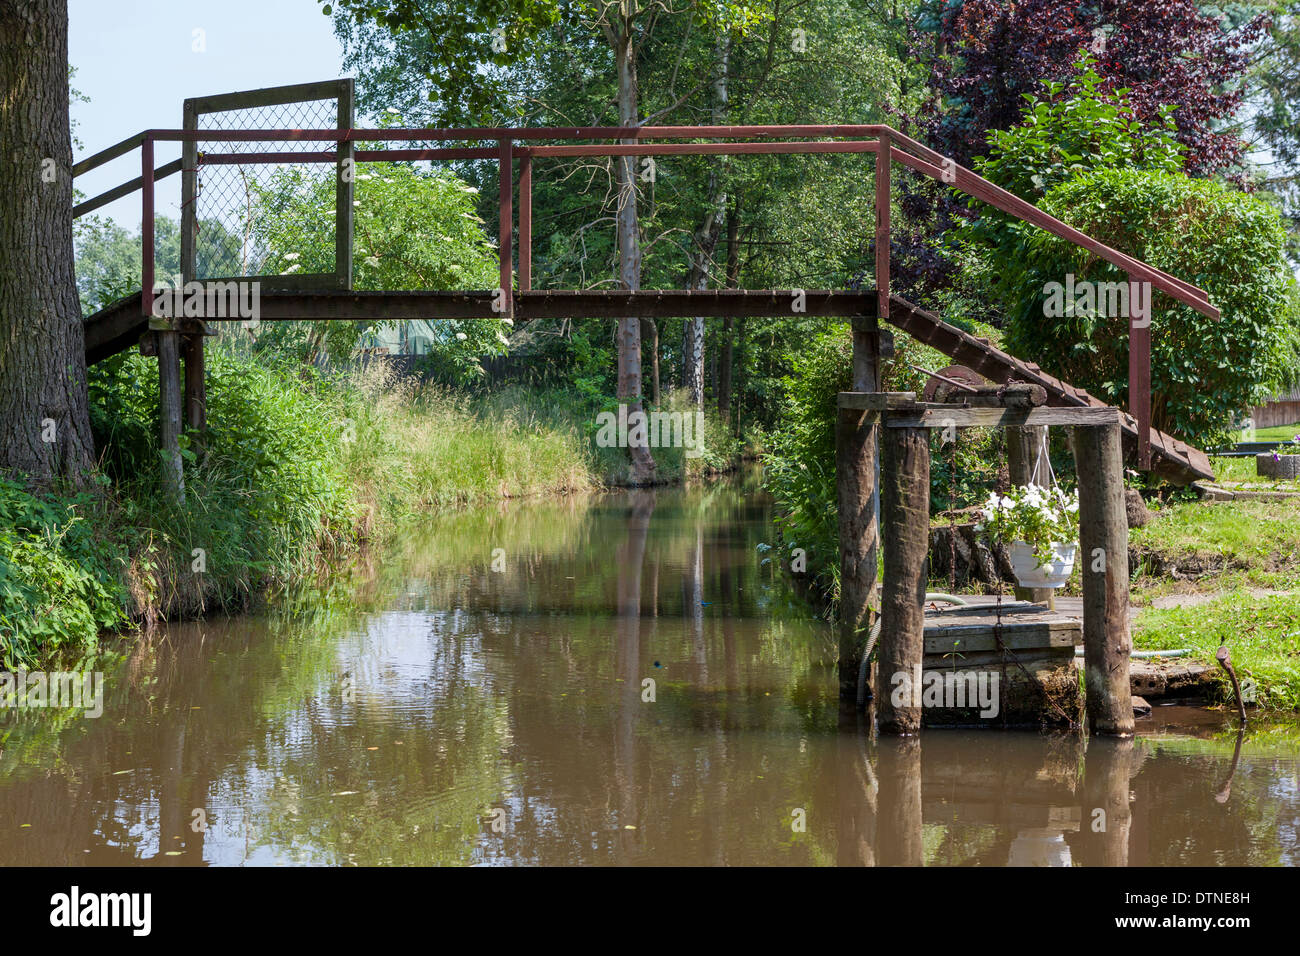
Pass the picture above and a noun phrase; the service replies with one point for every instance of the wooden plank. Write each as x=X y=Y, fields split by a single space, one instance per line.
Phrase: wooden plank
x=877 y=401
x=968 y=638
x=669 y=303
x=344 y=187
x=267 y=96
x=932 y=417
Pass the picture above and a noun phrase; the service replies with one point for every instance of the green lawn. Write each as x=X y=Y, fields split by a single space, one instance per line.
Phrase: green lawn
x=1262 y=633
x=1276 y=433
x=1230 y=471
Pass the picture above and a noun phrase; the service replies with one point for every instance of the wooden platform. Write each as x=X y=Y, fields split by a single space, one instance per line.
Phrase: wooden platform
x=1034 y=663
x=1020 y=625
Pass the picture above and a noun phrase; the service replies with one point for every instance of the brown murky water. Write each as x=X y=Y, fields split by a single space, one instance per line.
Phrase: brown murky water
x=437 y=711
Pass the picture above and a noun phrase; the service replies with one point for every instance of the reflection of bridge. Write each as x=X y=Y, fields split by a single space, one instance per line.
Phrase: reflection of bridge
x=329 y=295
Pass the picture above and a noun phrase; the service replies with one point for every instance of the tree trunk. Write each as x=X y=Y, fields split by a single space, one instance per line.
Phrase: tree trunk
x=629 y=248
x=728 y=324
x=650 y=332
x=706 y=239
x=44 y=417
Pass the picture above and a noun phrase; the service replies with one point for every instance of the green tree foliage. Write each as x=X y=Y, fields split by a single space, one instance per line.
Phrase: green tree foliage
x=1077 y=127
x=413 y=230
x=1203 y=372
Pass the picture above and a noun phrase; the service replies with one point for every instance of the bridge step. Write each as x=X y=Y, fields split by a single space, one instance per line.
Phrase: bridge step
x=1171 y=459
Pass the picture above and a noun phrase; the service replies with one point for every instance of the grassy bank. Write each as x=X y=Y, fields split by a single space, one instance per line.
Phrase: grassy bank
x=296 y=471
x=1262 y=633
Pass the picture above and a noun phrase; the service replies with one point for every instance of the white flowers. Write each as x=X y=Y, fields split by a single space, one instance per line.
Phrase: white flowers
x=1037 y=516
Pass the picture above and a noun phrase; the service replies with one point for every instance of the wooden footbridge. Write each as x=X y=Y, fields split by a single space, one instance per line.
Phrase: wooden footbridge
x=869 y=419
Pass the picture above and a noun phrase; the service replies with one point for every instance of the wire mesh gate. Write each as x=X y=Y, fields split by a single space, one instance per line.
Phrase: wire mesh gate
x=283 y=218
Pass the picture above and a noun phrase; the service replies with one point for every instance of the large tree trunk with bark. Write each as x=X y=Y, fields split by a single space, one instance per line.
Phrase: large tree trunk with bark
x=44 y=419
x=629 y=246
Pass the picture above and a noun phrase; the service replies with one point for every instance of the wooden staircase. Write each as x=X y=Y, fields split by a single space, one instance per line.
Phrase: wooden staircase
x=1171 y=459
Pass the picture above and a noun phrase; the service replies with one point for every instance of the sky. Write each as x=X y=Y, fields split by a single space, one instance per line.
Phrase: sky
x=138 y=60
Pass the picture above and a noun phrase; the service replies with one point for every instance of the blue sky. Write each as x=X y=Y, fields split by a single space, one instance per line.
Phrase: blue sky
x=136 y=61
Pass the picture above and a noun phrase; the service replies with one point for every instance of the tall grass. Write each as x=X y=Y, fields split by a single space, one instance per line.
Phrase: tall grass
x=409 y=450
x=295 y=469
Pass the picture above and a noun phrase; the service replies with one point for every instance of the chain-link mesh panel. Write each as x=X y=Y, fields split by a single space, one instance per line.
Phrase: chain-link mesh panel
x=266 y=219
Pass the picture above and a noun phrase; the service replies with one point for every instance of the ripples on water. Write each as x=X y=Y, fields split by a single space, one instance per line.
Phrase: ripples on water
x=432 y=710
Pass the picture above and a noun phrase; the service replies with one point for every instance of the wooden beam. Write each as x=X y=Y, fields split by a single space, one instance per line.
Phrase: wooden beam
x=905 y=532
x=999 y=417
x=268 y=96
x=1103 y=552
x=858 y=498
x=525 y=222
x=715 y=303
x=883 y=157
x=344 y=186
x=169 y=413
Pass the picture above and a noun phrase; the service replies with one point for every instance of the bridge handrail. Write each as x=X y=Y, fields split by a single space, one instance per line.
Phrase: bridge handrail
x=886 y=142
x=909 y=151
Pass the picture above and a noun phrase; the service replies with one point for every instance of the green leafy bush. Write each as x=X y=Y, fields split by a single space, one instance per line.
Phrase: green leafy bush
x=1204 y=372
x=59 y=581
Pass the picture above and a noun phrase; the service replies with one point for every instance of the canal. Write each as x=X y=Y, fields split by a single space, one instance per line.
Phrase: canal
x=618 y=679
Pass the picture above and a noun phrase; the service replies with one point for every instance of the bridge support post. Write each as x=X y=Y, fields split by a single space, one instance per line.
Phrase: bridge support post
x=169 y=413
x=905 y=518
x=1027 y=465
x=1103 y=553
x=858 y=499
x=196 y=390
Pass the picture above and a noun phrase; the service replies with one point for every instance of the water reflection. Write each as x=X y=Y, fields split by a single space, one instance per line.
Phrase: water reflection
x=426 y=708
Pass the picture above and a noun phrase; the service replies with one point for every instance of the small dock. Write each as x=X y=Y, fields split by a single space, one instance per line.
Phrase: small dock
x=1029 y=649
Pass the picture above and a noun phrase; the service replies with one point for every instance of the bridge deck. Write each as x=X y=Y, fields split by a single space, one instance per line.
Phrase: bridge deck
x=120 y=325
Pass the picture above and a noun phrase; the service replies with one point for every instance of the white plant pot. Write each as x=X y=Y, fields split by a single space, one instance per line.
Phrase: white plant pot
x=1054 y=574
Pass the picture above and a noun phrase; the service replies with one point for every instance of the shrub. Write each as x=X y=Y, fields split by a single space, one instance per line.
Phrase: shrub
x=1203 y=371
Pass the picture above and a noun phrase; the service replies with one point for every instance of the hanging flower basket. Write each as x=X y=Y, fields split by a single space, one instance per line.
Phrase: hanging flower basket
x=1040 y=529
x=1055 y=573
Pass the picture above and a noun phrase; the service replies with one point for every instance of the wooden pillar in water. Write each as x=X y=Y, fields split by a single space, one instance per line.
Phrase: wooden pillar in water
x=1027 y=465
x=905 y=524
x=899 y=839
x=855 y=480
x=1103 y=556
